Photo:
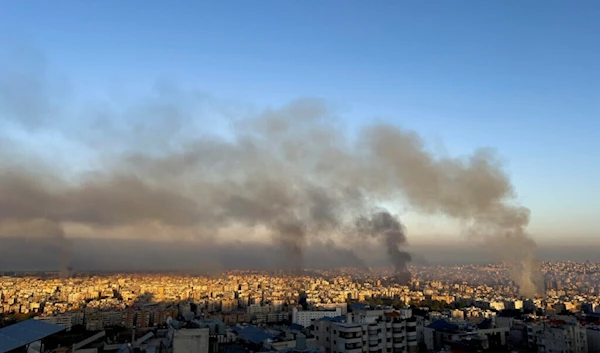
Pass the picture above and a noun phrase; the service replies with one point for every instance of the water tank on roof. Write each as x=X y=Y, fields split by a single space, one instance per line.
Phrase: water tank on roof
x=300 y=342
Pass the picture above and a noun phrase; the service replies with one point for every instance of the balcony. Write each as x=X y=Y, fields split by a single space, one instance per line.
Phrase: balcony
x=398 y=345
x=374 y=348
x=398 y=335
x=344 y=334
x=351 y=329
x=352 y=340
x=354 y=350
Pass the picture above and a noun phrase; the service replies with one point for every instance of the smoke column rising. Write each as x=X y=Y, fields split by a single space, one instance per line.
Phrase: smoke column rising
x=390 y=231
x=291 y=173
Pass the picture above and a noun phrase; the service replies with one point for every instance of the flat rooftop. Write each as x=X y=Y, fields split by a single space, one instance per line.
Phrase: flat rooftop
x=26 y=332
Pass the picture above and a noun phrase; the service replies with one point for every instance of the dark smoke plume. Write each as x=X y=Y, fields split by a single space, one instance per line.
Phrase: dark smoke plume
x=291 y=174
x=43 y=231
x=333 y=251
x=384 y=226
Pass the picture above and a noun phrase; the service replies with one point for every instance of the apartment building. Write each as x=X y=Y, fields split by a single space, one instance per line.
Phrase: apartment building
x=305 y=317
x=67 y=320
x=368 y=331
x=558 y=336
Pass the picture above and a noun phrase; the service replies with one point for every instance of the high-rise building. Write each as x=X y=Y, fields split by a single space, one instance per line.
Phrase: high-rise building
x=368 y=331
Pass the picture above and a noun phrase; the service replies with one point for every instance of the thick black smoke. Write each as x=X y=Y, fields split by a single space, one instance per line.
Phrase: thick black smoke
x=382 y=225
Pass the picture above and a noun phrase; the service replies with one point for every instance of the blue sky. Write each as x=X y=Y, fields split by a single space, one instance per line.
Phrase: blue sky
x=522 y=77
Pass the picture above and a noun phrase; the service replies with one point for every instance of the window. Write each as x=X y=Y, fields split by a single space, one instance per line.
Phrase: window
x=349 y=334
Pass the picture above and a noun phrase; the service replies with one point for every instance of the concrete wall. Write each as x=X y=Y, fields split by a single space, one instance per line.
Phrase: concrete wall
x=191 y=341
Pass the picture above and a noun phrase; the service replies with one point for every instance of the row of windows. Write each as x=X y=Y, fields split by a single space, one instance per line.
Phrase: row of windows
x=350 y=334
x=348 y=347
x=379 y=341
x=389 y=350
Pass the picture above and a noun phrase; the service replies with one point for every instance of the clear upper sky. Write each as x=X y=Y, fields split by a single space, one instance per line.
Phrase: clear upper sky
x=520 y=76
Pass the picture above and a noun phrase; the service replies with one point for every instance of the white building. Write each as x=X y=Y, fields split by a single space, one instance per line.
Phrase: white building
x=372 y=331
x=68 y=320
x=333 y=306
x=457 y=314
x=305 y=318
x=559 y=338
x=497 y=305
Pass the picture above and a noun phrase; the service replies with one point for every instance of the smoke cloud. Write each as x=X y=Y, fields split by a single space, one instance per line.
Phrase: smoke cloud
x=43 y=231
x=290 y=173
x=384 y=226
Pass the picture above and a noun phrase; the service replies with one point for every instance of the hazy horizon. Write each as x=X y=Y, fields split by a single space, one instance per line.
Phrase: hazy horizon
x=133 y=255
x=373 y=133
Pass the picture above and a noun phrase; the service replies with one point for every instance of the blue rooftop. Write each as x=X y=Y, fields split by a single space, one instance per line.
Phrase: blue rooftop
x=358 y=306
x=334 y=319
x=253 y=334
x=26 y=332
x=296 y=327
x=442 y=325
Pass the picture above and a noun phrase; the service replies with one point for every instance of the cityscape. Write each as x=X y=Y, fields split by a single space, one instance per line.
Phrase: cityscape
x=472 y=308
x=286 y=176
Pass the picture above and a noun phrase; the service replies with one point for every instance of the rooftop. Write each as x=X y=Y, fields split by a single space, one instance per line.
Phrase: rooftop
x=442 y=325
x=26 y=332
